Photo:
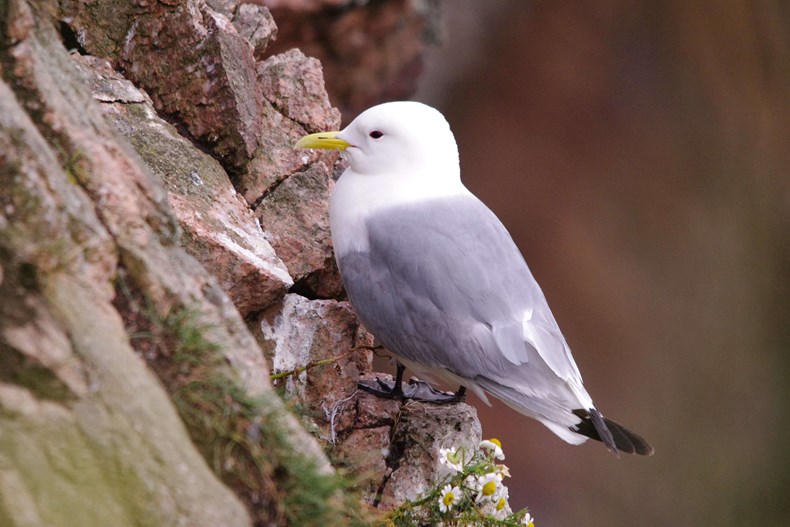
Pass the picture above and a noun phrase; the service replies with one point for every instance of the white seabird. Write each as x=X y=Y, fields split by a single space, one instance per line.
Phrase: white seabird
x=436 y=277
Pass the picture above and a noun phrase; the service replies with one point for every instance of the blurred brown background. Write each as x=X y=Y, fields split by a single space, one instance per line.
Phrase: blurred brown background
x=638 y=153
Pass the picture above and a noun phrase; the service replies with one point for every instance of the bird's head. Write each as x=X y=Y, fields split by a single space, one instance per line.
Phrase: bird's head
x=394 y=138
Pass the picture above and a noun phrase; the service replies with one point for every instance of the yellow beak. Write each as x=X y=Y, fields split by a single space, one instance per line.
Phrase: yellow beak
x=327 y=140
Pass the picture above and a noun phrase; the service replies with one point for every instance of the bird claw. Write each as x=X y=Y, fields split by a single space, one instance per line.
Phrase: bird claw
x=415 y=390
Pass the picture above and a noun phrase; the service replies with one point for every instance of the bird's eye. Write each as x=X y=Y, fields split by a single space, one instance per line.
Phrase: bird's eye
x=375 y=134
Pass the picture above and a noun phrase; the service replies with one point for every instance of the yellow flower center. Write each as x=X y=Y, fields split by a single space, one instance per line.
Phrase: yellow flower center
x=449 y=498
x=489 y=488
x=501 y=504
x=496 y=442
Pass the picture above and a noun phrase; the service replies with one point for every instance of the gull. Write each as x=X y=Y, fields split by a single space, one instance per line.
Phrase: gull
x=437 y=279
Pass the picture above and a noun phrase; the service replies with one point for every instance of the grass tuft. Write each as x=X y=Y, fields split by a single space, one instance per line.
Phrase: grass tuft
x=245 y=439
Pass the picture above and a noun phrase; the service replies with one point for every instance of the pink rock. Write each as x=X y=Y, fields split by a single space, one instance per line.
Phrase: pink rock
x=421 y=430
x=375 y=411
x=295 y=103
x=201 y=72
x=197 y=68
x=295 y=214
x=219 y=229
x=275 y=159
x=317 y=340
x=366 y=449
x=255 y=23
x=294 y=84
x=252 y=21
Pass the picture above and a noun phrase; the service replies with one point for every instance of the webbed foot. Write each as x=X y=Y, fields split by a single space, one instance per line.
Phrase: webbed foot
x=415 y=390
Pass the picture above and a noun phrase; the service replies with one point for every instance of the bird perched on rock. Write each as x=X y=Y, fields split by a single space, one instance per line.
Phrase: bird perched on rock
x=436 y=277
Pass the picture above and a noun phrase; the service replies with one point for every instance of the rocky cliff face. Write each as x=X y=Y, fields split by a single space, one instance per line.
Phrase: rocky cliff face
x=163 y=250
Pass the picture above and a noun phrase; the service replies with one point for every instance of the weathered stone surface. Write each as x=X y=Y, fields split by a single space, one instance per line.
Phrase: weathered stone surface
x=255 y=23
x=294 y=84
x=295 y=103
x=102 y=27
x=221 y=231
x=252 y=21
x=322 y=343
x=421 y=430
x=86 y=231
x=373 y=412
x=191 y=61
x=371 y=52
x=366 y=450
x=197 y=68
x=114 y=450
x=301 y=332
x=296 y=215
x=275 y=159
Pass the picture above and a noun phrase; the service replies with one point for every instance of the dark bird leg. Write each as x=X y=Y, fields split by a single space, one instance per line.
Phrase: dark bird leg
x=397 y=390
x=415 y=390
x=385 y=389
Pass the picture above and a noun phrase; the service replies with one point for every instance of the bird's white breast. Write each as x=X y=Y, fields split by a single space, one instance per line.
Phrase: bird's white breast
x=357 y=197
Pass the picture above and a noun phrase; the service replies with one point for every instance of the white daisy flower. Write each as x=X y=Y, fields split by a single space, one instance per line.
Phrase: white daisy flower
x=450 y=496
x=488 y=486
x=450 y=457
x=494 y=446
x=503 y=471
x=527 y=520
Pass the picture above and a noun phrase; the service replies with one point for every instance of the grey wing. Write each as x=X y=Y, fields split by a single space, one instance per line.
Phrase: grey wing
x=444 y=285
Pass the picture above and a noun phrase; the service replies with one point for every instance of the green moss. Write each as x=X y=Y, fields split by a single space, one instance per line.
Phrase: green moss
x=246 y=440
x=73 y=161
x=250 y=447
x=190 y=343
x=248 y=435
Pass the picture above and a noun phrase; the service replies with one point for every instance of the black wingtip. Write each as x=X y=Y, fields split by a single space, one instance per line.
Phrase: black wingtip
x=615 y=436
